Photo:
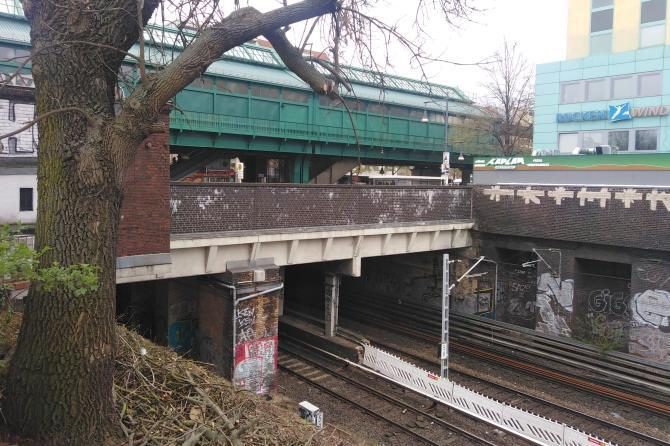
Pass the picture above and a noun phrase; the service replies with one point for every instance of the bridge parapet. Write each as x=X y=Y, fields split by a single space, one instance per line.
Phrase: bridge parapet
x=234 y=207
x=214 y=225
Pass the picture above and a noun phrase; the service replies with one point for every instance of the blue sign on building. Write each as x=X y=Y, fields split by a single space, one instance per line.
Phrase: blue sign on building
x=597 y=115
x=619 y=112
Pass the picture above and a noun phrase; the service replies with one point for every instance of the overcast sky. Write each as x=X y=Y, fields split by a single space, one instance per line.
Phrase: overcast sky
x=539 y=27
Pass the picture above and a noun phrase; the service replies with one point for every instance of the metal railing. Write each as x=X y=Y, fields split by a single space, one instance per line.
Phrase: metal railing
x=214 y=123
x=535 y=428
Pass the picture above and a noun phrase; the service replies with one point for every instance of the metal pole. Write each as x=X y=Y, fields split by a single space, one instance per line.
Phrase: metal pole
x=444 y=346
x=445 y=155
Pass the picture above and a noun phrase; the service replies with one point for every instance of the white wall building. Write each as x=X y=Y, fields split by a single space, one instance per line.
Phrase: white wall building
x=18 y=164
x=18 y=199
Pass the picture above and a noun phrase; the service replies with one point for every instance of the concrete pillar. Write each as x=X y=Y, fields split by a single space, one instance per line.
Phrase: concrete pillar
x=239 y=324
x=332 y=294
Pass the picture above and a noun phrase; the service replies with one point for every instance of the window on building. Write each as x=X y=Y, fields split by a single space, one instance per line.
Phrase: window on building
x=263 y=91
x=25 y=199
x=376 y=108
x=400 y=112
x=6 y=52
x=602 y=4
x=331 y=102
x=623 y=87
x=355 y=105
x=646 y=139
x=21 y=55
x=652 y=35
x=567 y=142
x=436 y=117
x=593 y=139
x=12 y=143
x=11 y=111
x=296 y=96
x=652 y=11
x=572 y=92
x=652 y=23
x=596 y=90
x=415 y=114
x=601 y=43
x=618 y=139
x=232 y=86
x=649 y=84
x=602 y=19
x=203 y=82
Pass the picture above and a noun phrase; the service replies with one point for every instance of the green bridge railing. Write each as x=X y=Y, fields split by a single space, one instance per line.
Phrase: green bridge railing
x=221 y=124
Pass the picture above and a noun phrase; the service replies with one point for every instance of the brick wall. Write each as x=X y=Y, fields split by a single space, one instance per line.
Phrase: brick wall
x=145 y=215
x=626 y=217
x=208 y=208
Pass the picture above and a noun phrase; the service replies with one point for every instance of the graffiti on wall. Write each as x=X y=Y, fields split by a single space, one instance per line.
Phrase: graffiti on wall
x=649 y=335
x=554 y=304
x=655 y=199
x=650 y=326
x=516 y=295
x=255 y=355
x=255 y=363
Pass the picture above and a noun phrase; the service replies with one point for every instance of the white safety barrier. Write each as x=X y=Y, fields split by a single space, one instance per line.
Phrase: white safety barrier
x=525 y=424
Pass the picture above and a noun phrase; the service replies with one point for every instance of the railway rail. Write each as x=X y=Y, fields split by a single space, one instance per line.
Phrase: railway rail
x=309 y=364
x=424 y=325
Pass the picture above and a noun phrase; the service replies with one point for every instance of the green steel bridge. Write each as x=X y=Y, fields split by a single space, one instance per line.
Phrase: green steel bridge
x=249 y=102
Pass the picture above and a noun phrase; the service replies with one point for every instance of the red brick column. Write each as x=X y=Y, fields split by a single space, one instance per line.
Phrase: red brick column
x=145 y=214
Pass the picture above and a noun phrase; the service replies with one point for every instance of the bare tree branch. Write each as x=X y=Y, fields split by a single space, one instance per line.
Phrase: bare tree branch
x=29 y=124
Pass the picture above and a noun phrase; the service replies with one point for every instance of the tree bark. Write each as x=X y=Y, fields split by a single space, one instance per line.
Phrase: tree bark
x=60 y=378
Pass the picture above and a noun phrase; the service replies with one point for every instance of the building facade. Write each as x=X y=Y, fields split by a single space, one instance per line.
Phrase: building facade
x=614 y=87
x=18 y=154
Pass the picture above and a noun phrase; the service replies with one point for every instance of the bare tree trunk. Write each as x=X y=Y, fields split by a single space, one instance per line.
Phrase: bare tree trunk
x=60 y=378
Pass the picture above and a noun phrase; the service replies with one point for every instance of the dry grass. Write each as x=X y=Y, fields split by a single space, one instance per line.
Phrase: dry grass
x=163 y=399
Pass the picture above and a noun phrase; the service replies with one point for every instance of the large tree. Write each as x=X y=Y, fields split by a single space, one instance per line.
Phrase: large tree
x=60 y=377
x=508 y=108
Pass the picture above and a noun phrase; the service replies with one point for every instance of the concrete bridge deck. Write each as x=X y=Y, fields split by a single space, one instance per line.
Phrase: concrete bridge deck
x=213 y=225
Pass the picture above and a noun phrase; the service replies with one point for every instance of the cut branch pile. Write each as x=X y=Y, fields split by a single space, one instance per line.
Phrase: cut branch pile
x=163 y=399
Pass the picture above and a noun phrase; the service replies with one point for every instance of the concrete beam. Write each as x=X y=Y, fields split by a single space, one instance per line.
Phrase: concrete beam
x=194 y=254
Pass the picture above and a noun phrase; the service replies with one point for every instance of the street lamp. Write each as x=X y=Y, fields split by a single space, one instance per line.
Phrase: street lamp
x=445 y=152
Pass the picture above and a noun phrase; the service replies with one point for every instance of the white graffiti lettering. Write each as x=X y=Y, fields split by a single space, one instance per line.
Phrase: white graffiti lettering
x=602 y=195
x=560 y=193
x=627 y=197
x=529 y=195
x=655 y=196
x=496 y=192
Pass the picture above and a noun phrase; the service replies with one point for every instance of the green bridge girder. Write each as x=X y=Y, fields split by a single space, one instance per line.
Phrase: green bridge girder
x=249 y=101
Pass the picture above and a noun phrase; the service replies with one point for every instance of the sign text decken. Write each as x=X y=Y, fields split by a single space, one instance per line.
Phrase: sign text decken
x=602 y=115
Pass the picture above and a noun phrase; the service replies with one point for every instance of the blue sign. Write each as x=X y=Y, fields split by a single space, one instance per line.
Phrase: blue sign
x=619 y=112
x=598 y=115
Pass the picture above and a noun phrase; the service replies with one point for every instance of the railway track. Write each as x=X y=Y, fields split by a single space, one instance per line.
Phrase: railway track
x=425 y=327
x=374 y=397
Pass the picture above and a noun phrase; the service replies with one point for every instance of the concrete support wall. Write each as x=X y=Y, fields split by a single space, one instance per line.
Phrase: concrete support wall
x=613 y=298
x=413 y=277
x=649 y=306
x=241 y=340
